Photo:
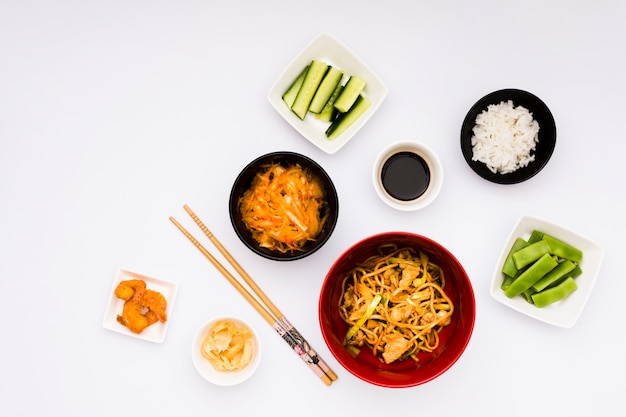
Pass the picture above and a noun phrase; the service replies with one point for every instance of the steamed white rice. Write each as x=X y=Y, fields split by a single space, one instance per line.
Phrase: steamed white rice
x=504 y=137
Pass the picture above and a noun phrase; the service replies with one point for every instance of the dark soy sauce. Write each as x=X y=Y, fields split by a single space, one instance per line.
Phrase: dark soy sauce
x=405 y=176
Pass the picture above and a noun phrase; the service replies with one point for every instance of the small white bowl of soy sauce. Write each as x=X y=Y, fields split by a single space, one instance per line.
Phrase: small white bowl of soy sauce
x=407 y=175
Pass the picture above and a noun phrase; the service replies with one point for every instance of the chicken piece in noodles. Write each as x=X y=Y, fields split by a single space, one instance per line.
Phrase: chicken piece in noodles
x=395 y=346
x=401 y=313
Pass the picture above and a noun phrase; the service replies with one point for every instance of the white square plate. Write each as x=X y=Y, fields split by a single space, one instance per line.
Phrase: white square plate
x=327 y=49
x=154 y=333
x=566 y=312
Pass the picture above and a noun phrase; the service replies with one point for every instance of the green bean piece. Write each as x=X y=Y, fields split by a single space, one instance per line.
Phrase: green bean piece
x=563 y=250
x=554 y=276
x=508 y=268
x=506 y=282
x=554 y=294
x=576 y=272
x=535 y=236
x=533 y=274
x=528 y=295
x=530 y=253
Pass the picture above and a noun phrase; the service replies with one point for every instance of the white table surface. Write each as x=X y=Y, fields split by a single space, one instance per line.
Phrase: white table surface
x=115 y=114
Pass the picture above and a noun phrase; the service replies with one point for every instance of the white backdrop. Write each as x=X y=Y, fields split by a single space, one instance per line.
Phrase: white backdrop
x=114 y=114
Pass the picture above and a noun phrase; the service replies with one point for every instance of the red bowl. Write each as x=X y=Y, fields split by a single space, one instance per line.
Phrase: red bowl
x=408 y=373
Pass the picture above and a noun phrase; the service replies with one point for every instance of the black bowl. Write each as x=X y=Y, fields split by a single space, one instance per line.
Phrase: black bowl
x=243 y=182
x=545 y=144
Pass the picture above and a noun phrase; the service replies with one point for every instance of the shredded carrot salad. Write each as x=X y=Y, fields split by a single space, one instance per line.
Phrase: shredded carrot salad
x=284 y=208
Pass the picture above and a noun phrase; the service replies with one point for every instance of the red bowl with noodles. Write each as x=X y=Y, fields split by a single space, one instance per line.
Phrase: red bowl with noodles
x=453 y=337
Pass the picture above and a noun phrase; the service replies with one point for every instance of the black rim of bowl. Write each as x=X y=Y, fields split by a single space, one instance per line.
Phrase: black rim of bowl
x=545 y=144
x=243 y=182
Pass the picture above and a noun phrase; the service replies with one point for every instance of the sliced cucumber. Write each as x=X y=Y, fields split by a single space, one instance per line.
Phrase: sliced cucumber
x=328 y=85
x=290 y=95
x=346 y=119
x=329 y=112
x=319 y=89
x=350 y=93
x=311 y=82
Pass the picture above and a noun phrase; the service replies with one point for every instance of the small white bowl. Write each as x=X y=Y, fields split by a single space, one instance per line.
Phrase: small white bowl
x=434 y=166
x=566 y=312
x=154 y=333
x=329 y=50
x=204 y=367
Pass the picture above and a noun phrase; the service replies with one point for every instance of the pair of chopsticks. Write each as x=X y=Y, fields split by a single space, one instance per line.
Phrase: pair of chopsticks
x=273 y=316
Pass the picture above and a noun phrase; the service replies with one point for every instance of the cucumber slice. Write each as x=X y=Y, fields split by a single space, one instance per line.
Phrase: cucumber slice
x=329 y=112
x=346 y=119
x=290 y=95
x=311 y=82
x=350 y=93
x=328 y=85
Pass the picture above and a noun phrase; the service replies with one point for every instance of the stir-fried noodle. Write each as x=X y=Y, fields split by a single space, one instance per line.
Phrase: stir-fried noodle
x=395 y=304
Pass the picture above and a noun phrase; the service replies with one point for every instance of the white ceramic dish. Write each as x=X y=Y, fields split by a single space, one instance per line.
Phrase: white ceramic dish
x=154 y=333
x=566 y=312
x=434 y=166
x=204 y=367
x=327 y=49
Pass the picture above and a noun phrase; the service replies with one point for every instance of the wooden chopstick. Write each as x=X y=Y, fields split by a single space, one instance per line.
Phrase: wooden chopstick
x=274 y=317
x=264 y=298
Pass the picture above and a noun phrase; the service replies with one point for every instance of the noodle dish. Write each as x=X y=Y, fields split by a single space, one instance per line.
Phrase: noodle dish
x=397 y=309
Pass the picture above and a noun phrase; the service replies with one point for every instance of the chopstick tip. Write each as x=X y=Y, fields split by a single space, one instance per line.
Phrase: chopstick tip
x=326 y=379
x=332 y=375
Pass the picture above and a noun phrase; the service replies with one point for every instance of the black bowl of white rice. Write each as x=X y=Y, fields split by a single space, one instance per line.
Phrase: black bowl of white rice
x=508 y=136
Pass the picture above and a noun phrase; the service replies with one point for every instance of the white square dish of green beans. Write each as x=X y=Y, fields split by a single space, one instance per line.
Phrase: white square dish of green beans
x=546 y=271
